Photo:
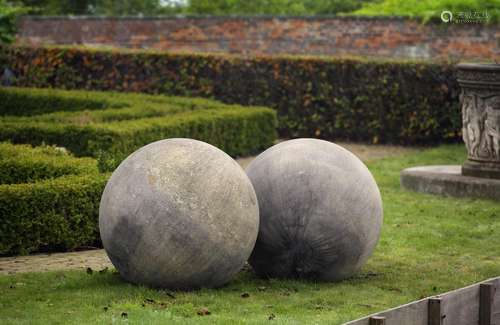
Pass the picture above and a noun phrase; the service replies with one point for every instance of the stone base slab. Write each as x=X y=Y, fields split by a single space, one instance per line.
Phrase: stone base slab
x=481 y=169
x=448 y=180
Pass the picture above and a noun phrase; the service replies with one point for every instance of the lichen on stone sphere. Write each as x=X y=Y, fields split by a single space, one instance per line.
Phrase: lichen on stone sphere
x=320 y=211
x=178 y=214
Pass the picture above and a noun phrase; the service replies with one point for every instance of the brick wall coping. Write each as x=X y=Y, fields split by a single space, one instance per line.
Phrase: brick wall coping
x=228 y=17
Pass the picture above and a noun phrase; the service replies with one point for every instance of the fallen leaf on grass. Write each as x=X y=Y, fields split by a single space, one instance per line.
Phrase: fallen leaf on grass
x=171 y=295
x=154 y=304
x=203 y=311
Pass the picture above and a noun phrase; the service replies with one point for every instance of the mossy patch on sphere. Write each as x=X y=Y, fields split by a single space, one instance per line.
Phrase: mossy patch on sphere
x=320 y=211
x=178 y=214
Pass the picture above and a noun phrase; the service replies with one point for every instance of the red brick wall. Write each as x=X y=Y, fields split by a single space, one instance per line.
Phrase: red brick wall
x=391 y=37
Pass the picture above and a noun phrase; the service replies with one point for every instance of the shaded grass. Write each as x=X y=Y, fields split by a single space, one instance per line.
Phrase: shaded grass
x=429 y=245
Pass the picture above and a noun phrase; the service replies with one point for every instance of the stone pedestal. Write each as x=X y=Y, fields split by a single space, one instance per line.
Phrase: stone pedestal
x=479 y=176
x=480 y=103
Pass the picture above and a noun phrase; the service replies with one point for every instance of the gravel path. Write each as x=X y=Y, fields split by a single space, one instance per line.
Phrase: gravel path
x=97 y=259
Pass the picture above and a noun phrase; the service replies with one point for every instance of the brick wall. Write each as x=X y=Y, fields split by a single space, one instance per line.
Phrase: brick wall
x=384 y=37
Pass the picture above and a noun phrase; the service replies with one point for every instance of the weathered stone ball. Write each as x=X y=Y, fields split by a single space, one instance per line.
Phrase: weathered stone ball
x=320 y=211
x=178 y=214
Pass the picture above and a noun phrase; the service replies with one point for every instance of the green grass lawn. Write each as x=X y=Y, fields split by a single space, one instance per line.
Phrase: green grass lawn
x=429 y=245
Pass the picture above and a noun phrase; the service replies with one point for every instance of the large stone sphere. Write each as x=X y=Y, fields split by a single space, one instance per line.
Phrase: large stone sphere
x=178 y=214
x=320 y=211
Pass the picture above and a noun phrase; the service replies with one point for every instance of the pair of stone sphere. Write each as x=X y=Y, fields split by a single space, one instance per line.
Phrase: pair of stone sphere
x=182 y=214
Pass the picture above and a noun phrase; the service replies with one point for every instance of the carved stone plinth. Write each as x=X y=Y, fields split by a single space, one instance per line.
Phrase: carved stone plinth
x=480 y=102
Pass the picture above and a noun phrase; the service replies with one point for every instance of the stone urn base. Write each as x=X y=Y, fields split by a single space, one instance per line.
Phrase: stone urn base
x=481 y=169
x=448 y=180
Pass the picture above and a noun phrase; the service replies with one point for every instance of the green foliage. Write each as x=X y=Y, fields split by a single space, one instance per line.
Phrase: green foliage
x=333 y=7
x=24 y=103
x=198 y=7
x=332 y=98
x=431 y=9
x=49 y=200
x=8 y=16
x=94 y=7
x=127 y=7
x=272 y=7
x=425 y=9
x=50 y=215
x=56 y=7
x=25 y=164
x=126 y=122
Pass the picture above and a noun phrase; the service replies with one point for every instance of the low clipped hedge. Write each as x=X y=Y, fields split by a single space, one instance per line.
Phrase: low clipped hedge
x=124 y=122
x=25 y=164
x=49 y=200
x=355 y=99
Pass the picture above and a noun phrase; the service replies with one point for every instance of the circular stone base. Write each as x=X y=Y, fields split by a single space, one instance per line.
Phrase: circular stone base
x=448 y=180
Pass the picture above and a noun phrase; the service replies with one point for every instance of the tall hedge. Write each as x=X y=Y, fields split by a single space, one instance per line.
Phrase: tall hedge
x=333 y=98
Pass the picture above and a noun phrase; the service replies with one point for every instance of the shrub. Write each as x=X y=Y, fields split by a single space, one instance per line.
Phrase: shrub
x=25 y=103
x=49 y=200
x=24 y=164
x=432 y=9
x=333 y=98
x=126 y=122
x=8 y=16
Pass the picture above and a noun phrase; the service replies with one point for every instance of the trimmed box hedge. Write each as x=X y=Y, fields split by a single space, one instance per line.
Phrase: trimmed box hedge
x=356 y=99
x=25 y=164
x=49 y=200
x=122 y=123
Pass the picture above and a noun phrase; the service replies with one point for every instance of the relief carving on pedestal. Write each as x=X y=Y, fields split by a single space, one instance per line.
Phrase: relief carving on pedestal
x=481 y=125
x=492 y=131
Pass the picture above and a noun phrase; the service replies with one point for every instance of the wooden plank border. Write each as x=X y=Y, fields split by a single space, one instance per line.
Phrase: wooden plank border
x=486 y=299
x=435 y=313
x=475 y=304
x=377 y=320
